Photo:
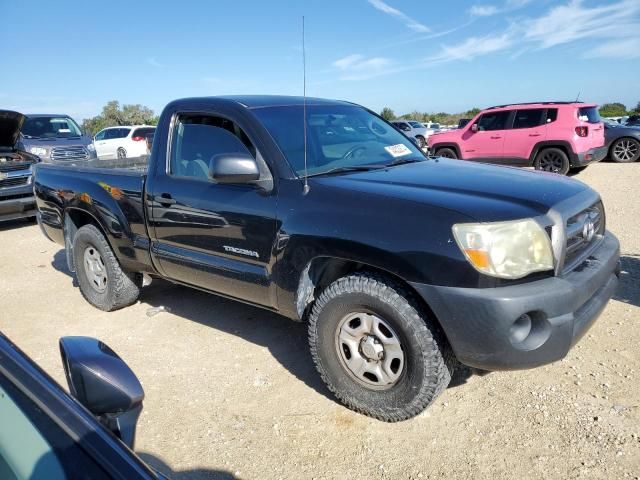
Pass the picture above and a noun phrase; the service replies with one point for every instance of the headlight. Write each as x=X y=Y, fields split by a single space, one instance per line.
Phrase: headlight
x=91 y=147
x=505 y=249
x=39 y=151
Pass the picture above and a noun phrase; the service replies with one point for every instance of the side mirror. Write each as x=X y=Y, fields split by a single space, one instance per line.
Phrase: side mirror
x=233 y=168
x=101 y=381
x=475 y=128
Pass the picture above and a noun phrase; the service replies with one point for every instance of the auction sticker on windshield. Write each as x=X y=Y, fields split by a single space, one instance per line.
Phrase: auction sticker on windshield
x=398 y=150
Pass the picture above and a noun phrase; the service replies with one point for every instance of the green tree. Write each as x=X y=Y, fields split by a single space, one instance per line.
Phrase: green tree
x=615 y=109
x=113 y=115
x=636 y=110
x=387 y=114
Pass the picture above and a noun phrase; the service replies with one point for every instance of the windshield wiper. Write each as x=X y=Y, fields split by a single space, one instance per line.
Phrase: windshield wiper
x=403 y=161
x=352 y=168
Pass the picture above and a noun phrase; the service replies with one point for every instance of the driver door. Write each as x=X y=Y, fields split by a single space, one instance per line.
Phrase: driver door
x=486 y=144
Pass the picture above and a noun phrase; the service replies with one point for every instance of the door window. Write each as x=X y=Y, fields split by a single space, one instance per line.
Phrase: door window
x=493 y=121
x=33 y=446
x=198 y=138
x=529 y=118
x=101 y=135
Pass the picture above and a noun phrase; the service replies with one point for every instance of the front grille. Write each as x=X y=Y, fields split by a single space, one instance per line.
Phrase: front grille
x=583 y=230
x=67 y=154
x=13 y=182
x=14 y=166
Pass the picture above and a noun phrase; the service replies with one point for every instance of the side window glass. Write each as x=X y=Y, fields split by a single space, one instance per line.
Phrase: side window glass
x=34 y=446
x=529 y=118
x=552 y=115
x=110 y=134
x=100 y=135
x=493 y=121
x=198 y=138
x=123 y=132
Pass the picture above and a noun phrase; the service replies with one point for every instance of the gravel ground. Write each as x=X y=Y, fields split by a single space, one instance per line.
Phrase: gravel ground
x=231 y=392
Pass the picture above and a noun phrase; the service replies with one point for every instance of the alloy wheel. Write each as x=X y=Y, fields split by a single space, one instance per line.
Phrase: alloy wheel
x=626 y=150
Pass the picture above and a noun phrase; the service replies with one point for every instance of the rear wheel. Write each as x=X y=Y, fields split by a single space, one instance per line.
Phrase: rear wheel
x=552 y=160
x=376 y=349
x=446 y=153
x=102 y=282
x=625 y=150
x=421 y=141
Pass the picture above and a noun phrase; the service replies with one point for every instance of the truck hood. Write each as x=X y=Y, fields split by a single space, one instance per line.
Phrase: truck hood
x=485 y=193
x=10 y=125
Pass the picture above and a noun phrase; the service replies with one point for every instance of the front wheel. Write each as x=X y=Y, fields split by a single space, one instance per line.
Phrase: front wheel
x=421 y=141
x=102 y=281
x=552 y=160
x=376 y=349
x=625 y=150
x=446 y=153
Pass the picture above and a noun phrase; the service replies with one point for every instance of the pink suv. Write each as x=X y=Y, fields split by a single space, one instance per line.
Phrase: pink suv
x=550 y=136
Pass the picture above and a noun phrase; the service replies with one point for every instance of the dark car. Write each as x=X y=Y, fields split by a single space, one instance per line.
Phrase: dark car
x=89 y=434
x=399 y=263
x=622 y=142
x=16 y=189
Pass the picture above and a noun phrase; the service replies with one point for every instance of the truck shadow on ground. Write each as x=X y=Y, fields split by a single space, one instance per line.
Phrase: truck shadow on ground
x=196 y=474
x=15 y=224
x=629 y=287
x=285 y=339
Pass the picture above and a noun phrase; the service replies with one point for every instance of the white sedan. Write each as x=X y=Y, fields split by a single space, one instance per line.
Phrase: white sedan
x=123 y=141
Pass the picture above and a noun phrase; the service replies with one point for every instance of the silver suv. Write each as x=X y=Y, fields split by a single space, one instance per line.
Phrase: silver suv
x=413 y=129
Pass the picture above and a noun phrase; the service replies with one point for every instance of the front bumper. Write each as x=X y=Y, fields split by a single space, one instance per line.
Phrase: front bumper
x=17 y=202
x=486 y=327
x=590 y=156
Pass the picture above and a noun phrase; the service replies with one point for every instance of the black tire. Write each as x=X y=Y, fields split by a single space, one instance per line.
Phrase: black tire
x=625 y=150
x=428 y=363
x=121 y=153
x=120 y=288
x=552 y=160
x=421 y=141
x=446 y=153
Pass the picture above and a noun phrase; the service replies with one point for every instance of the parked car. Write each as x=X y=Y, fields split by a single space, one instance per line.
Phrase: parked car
x=550 y=136
x=432 y=126
x=123 y=141
x=399 y=263
x=415 y=130
x=16 y=189
x=622 y=142
x=56 y=139
x=633 y=121
x=462 y=122
x=88 y=434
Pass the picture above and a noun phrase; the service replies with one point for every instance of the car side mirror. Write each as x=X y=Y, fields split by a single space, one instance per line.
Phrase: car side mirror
x=101 y=381
x=233 y=168
x=475 y=128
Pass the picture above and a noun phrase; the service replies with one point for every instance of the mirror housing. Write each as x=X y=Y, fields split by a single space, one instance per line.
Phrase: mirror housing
x=101 y=381
x=475 y=128
x=233 y=168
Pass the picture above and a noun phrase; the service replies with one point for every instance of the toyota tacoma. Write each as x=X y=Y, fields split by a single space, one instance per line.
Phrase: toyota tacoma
x=402 y=265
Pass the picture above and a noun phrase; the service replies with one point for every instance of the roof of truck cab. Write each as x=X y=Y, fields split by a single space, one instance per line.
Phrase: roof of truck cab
x=261 y=101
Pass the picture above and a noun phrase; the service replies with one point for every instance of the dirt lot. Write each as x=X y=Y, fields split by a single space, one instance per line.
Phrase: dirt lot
x=231 y=391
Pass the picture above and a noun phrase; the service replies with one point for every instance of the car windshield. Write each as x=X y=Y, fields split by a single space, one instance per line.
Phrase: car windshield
x=50 y=127
x=416 y=125
x=338 y=137
x=589 y=114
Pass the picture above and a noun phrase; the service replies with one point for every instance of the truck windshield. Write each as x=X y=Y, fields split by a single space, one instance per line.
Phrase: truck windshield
x=50 y=127
x=337 y=136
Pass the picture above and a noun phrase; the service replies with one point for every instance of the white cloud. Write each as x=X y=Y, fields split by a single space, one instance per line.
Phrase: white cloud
x=483 y=10
x=359 y=67
x=627 y=48
x=474 y=47
x=154 y=63
x=394 y=12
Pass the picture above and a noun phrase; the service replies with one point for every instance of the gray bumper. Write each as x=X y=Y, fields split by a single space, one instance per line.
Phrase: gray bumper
x=590 y=156
x=530 y=324
x=17 y=202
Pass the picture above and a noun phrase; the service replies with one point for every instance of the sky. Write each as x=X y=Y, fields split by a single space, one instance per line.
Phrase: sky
x=74 y=56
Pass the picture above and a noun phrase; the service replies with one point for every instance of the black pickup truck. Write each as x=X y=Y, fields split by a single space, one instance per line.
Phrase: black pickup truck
x=401 y=264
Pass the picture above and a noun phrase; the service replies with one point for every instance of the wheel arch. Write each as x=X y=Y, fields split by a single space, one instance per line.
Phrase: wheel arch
x=452 y=145
x=74 y=220
x=321 y=271
x=560 y=144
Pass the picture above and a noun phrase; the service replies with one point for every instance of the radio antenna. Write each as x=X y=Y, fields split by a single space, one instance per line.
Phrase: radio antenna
x=305 y=189
x=578 y=96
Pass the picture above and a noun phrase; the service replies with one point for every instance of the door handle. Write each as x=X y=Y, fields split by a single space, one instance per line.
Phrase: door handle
x=164 y=199
x=535 y=134
x=495 y=137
